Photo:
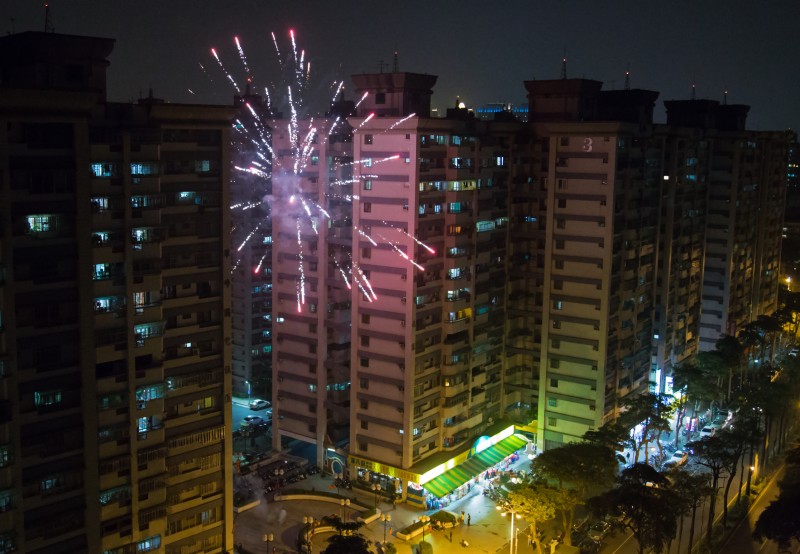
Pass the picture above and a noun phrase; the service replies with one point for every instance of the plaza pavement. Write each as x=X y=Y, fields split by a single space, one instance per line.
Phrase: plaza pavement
x=489 y=532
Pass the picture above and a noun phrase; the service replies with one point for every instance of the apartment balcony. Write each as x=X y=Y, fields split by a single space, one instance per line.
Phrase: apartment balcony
x=150 y=437
x=452 y=391
x=478 y=396
x=455 y=411
x=479 y=377
x=454 y=326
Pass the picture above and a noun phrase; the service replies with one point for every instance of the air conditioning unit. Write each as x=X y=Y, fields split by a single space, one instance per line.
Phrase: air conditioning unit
x=403 y=277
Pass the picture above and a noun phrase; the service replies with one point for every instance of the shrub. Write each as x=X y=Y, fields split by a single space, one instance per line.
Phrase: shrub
x=444 y=516
x=389 y=548
x=424 y=548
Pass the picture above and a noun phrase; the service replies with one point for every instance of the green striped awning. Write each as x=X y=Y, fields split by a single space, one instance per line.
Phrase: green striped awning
x=454 y=478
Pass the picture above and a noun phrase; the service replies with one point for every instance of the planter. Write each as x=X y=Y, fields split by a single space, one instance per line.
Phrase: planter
x=245 y=507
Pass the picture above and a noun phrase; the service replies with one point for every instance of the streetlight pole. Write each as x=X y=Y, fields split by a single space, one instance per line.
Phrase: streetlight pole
x=268 y=538
x=385 y=518
x=424 y=520
x=376 y=488
x=309 y=522
x=279 y=477
x=246 y=382
x=344 y=503
x=514 y=515
x=337 y=480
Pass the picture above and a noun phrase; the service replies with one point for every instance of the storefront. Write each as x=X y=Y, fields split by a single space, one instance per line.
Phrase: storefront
x=488 y=457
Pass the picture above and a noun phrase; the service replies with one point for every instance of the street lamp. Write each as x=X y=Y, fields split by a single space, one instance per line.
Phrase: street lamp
x=268 y=538
x=246 y=382
x=344 y=503
x=424 y=520
x=376 y=488
x=385 y=518
x=337 y=480
x=309 y=523
x=514 y=515
x=279 y=477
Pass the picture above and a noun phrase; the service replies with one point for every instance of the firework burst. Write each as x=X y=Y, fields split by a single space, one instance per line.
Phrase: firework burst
x=273 y=155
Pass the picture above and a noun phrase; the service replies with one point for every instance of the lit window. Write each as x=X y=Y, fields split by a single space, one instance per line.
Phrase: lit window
x=47 y=398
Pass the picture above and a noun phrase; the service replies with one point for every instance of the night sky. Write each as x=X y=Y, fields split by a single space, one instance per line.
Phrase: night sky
x=481 y=51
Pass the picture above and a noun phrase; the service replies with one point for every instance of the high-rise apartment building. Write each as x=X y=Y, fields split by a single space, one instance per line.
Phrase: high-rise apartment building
x=115 y=296
x=508 y=271
x=251 y=251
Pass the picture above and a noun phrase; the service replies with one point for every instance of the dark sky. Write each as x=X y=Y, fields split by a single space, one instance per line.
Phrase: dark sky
x=480 y=50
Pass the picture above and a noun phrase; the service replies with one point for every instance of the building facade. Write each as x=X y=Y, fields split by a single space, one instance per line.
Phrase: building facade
x=115 y=303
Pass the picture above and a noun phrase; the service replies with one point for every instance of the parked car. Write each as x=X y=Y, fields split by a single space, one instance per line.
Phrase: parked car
x=258 y=404
x=794 y=352
x=679 y=457
x=249 y=420
x=599 y=529
x=708 y=431
x=589 y=546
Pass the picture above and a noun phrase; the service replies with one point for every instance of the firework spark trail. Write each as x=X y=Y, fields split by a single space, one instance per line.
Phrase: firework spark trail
x=362 y=99
x=275 y=42
x=370 y=116
x=241 y=54
x=399 y=121
x=260 y=263
x=365 y=235
x=366 y=281
x=336 y=93
x=400 y=252
x=225 y=71
x=301 y=285
x=249 y=236
x=344 y=275
x=415 y=239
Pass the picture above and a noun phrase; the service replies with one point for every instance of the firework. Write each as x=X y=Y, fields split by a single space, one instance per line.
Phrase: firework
x=283 y=173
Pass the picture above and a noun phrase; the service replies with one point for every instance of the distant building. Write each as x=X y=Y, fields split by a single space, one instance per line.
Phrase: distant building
x=496 y=110
x=114 y=311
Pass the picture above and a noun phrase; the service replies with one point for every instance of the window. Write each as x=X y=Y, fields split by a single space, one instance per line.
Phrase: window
x=41 y=223
x=47 y=398
x=555 y=363
x=364 y=362
x=562 y=203
x=558 y=284
x=551 y=421
x=364 y=340
x=367 y=139
x=561 y=223
x=558 y=304
x=368 y=184
x=554 y=383
x=380 y=98
x=367 y=207
x=559 y=244
x=559 y=265
x=556 y=324
x=552 y=402
x=365 y=425
x=315 y=159
x=365 y=319
x=364 y=404
x=6 y=455
x=366 y=252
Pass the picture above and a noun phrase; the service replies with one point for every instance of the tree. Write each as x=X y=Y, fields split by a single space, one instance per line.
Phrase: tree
x=347 y=544
x=577 y=467
x=612 y=435
x=780 y=521
x=690 y=489
x=714 y=453
x=695 y=387
x=650 y=410
x=643 y=496
x=732 y=354
x=537 y=504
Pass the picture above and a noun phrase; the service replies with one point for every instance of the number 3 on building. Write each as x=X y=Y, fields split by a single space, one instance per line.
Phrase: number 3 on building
x=587 y=145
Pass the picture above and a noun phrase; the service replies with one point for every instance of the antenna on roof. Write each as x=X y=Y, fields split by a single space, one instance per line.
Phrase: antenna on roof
x=381 y=65
x=396 y=65
x=48 y=23
x=725 y=96
x=694 y=91
x=564 y=65
x=628 y=79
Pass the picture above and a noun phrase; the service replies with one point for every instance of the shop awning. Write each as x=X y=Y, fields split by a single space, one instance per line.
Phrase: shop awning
x=454 y=478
